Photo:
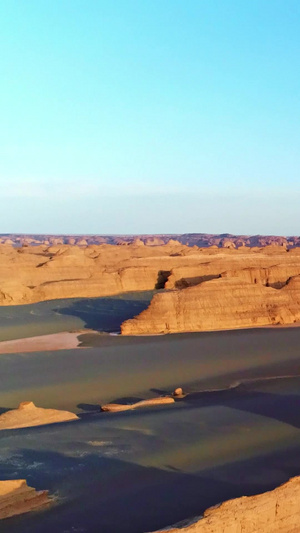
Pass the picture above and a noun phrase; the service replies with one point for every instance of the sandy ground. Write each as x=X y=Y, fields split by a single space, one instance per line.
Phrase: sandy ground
x=42 y=343
x=69 y=340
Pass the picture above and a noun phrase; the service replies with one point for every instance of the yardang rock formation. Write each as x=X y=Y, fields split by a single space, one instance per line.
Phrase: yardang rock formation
x=28 y=415
x=17 y=498
x=205 y=288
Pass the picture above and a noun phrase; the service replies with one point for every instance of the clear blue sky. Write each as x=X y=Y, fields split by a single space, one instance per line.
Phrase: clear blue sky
x=150 y=116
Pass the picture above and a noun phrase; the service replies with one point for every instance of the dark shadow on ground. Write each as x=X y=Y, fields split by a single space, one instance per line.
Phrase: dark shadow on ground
x=160 y=392
x=4 y=410
x=280 y=407
x=97 y=493
x=107 y=314
x=89 y=407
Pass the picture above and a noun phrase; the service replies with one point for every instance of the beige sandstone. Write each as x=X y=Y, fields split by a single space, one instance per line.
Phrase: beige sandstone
x=116 y=407
x=223 y=303
x=277 y=511
x=209 y=288
x=37 y=273
x=28 y=415
x=17 y=498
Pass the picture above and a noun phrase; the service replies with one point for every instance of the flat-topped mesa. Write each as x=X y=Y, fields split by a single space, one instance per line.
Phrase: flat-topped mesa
x=16 y=497
x=28 y=415
x=274 y=276
x=271 y=512
x=223 y=303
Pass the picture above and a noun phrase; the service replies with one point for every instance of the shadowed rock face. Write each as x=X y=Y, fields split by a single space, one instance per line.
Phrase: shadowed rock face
x=272 y=512
x=28 y=415
x=17 y=498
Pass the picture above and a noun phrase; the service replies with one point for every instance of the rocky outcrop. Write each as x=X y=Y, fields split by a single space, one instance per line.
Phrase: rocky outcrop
x=271 y=512
x=224 y=303
x=275 y=276
x=152 y=402
x=17 y=498
x=37 y=273
x=28 y=415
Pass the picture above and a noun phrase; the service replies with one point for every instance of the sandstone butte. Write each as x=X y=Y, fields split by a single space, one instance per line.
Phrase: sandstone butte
x=277 y=511
x=28 y=415
x=218 y=304
x=17 y=498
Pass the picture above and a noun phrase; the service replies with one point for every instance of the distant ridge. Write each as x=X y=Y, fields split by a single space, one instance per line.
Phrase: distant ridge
x=202 y=240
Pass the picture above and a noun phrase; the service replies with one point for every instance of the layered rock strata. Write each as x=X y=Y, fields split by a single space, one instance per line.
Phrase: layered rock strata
x=37 y=273
x=271 y=512
x=17 y=498
x=28 y=415
x=224 y=303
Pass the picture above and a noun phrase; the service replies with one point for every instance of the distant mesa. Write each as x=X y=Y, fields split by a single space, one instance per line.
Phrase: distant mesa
x=28 y=415
x=202 y=240
x=154 y=241
x=138 y=242
x=16 y=497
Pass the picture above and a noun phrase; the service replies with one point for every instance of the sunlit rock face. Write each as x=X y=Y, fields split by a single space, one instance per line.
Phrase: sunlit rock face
x=36 y=273
x=272 y=512
x=205 y=288
x=224 y=303
x=17 y=498
x=28 y=415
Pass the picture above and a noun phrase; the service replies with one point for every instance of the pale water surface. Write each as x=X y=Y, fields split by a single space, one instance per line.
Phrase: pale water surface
x=138 y=471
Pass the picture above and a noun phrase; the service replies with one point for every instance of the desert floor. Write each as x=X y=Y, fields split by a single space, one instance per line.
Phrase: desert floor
x=236 y=433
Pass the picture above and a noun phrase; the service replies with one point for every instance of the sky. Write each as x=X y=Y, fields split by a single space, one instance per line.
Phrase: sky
x=150 y=116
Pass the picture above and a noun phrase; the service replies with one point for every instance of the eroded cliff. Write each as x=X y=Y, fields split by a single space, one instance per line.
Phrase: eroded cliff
x=36 y=273
x=223 y=303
